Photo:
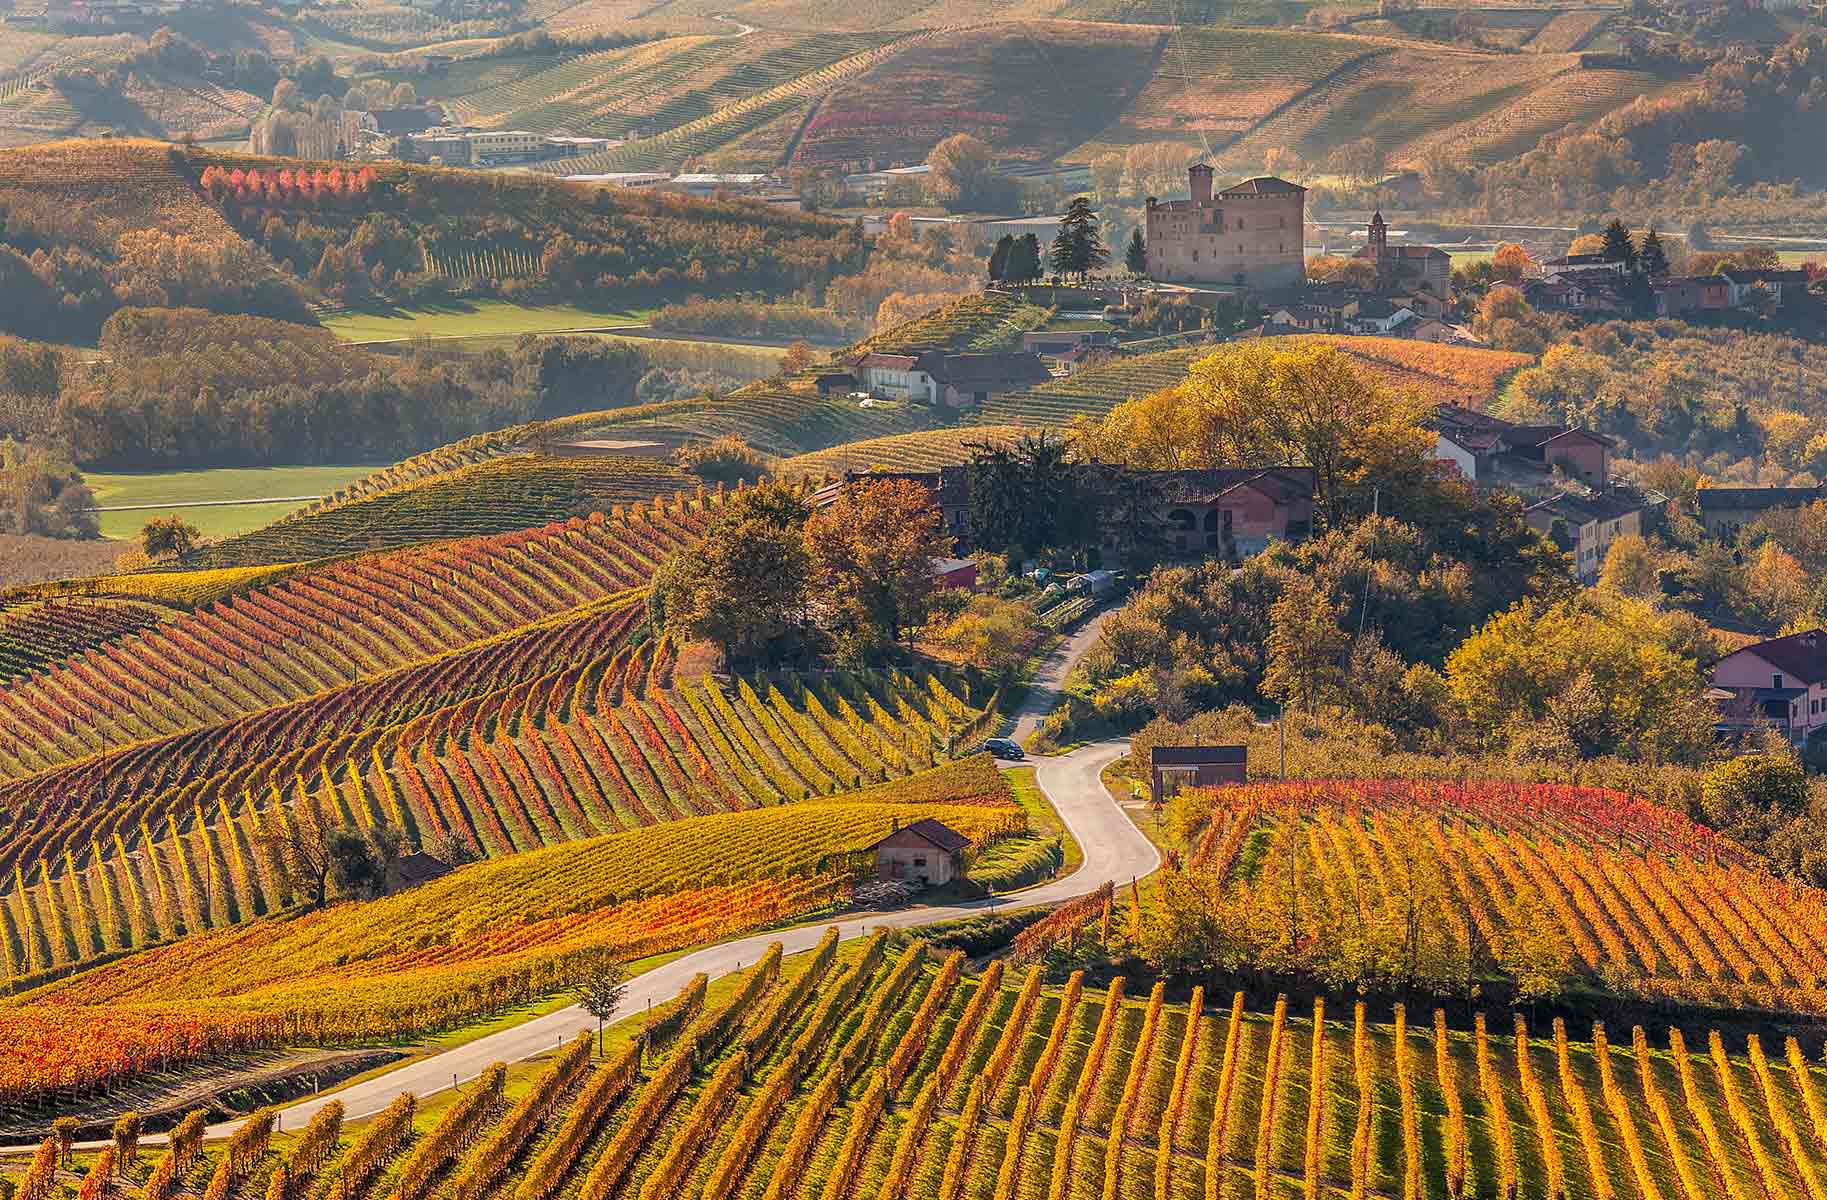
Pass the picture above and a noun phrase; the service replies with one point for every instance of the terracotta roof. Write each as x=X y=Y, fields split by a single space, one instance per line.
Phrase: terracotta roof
x=1262 y=185
x=1801 y=656
x=983 y=372
x=1577 y=433
x=937 y=832
x=1203 y=486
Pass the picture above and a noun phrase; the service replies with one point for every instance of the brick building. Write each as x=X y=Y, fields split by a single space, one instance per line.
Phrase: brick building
x=1249 y=235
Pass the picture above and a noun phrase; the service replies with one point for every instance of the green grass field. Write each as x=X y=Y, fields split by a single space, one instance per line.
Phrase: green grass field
x=194 y=487
x=479 y=318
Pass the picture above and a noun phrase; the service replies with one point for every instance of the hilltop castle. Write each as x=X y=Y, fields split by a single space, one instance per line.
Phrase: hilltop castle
x=1250 y=235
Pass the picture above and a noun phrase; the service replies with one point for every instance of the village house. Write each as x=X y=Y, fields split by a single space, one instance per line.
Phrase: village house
x=1174 y=767
x=1380 y=317
x=1784 y=678
x=1581 y=262
x=1235 y=513
x=956 y=380
x=1679 y=295
x=1747 y=284
x=955 y=574
x=1231 y=513
x=1726 y=510
x=1482 y=447
x=1249 y=235
x=1308 y=318
x=927 y=852
x=1586 y=526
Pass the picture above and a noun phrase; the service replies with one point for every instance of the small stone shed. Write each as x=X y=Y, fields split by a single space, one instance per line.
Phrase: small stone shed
x=927 y=852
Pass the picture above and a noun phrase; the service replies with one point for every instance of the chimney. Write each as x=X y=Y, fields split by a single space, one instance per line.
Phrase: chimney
x=1199 y=176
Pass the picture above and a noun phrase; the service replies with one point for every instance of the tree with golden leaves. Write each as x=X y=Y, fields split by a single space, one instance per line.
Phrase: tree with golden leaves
x=1263 y=405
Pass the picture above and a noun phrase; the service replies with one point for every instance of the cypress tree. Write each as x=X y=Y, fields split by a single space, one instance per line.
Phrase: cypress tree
x=1136 y=258
x=999 y=257
x=1652 y=257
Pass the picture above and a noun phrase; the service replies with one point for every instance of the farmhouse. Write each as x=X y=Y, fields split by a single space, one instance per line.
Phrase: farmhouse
x=1235 y=513
x=935 y=377
x=1785 y=677
x=1249 y=235
x=1483 y=447
x=1725 y=511
x=1174 y=767
x=1232 y=513
x=1586 y=526
x=927 y=852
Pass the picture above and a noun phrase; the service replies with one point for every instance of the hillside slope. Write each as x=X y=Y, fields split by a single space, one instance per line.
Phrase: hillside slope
x=1447 y=374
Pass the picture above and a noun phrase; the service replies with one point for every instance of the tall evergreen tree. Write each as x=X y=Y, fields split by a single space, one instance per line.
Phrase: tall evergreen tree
x=1024 y=260
x=1652 y=256
x=1618 y=246
x=1136 y=258
x=1077 y=248
x=999 y=257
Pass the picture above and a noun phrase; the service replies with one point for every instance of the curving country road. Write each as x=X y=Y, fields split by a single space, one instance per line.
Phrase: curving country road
x=1113 y=848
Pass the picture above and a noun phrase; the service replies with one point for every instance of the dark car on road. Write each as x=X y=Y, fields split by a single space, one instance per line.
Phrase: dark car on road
x=1004 y=748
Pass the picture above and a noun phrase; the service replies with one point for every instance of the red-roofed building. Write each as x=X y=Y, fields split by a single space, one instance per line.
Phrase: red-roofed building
x=1792 y=669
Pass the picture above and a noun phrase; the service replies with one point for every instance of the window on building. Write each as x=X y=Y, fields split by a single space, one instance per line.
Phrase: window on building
x=919 y=860
x=1776 y=680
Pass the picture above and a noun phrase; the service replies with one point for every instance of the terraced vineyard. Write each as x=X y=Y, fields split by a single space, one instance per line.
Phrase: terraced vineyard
x=1643 y=901
x=37 y=636
x=328 y=628
x=117 y=187
x=775 y=416
x=883 y=1073
x=1412 y=97
x=1448 y=374
x=984 y=321
x=478 y=942
x=622 y=747
x=475 y=496
x=1571 y=31
x=754 y=124
x=1212 y=84
x=925 y=451
x=1561 y=99
x=657 y=86
x=1031 y=89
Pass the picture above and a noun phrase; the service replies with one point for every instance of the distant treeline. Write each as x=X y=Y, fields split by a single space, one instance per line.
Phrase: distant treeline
x=192 y=388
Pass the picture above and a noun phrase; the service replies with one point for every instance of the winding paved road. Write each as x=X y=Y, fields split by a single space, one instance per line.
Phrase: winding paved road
x=1114 y=849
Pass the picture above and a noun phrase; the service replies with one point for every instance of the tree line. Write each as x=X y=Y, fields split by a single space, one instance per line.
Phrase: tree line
x=184 y=387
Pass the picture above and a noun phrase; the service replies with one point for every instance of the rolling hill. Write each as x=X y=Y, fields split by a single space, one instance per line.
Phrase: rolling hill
x=1039 y=88
x=1447 y=374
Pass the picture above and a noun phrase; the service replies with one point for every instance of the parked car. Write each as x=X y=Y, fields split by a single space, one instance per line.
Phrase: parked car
x=1004 y=748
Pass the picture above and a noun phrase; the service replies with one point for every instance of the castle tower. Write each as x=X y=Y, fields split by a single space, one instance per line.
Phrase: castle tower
x=1199 y=178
